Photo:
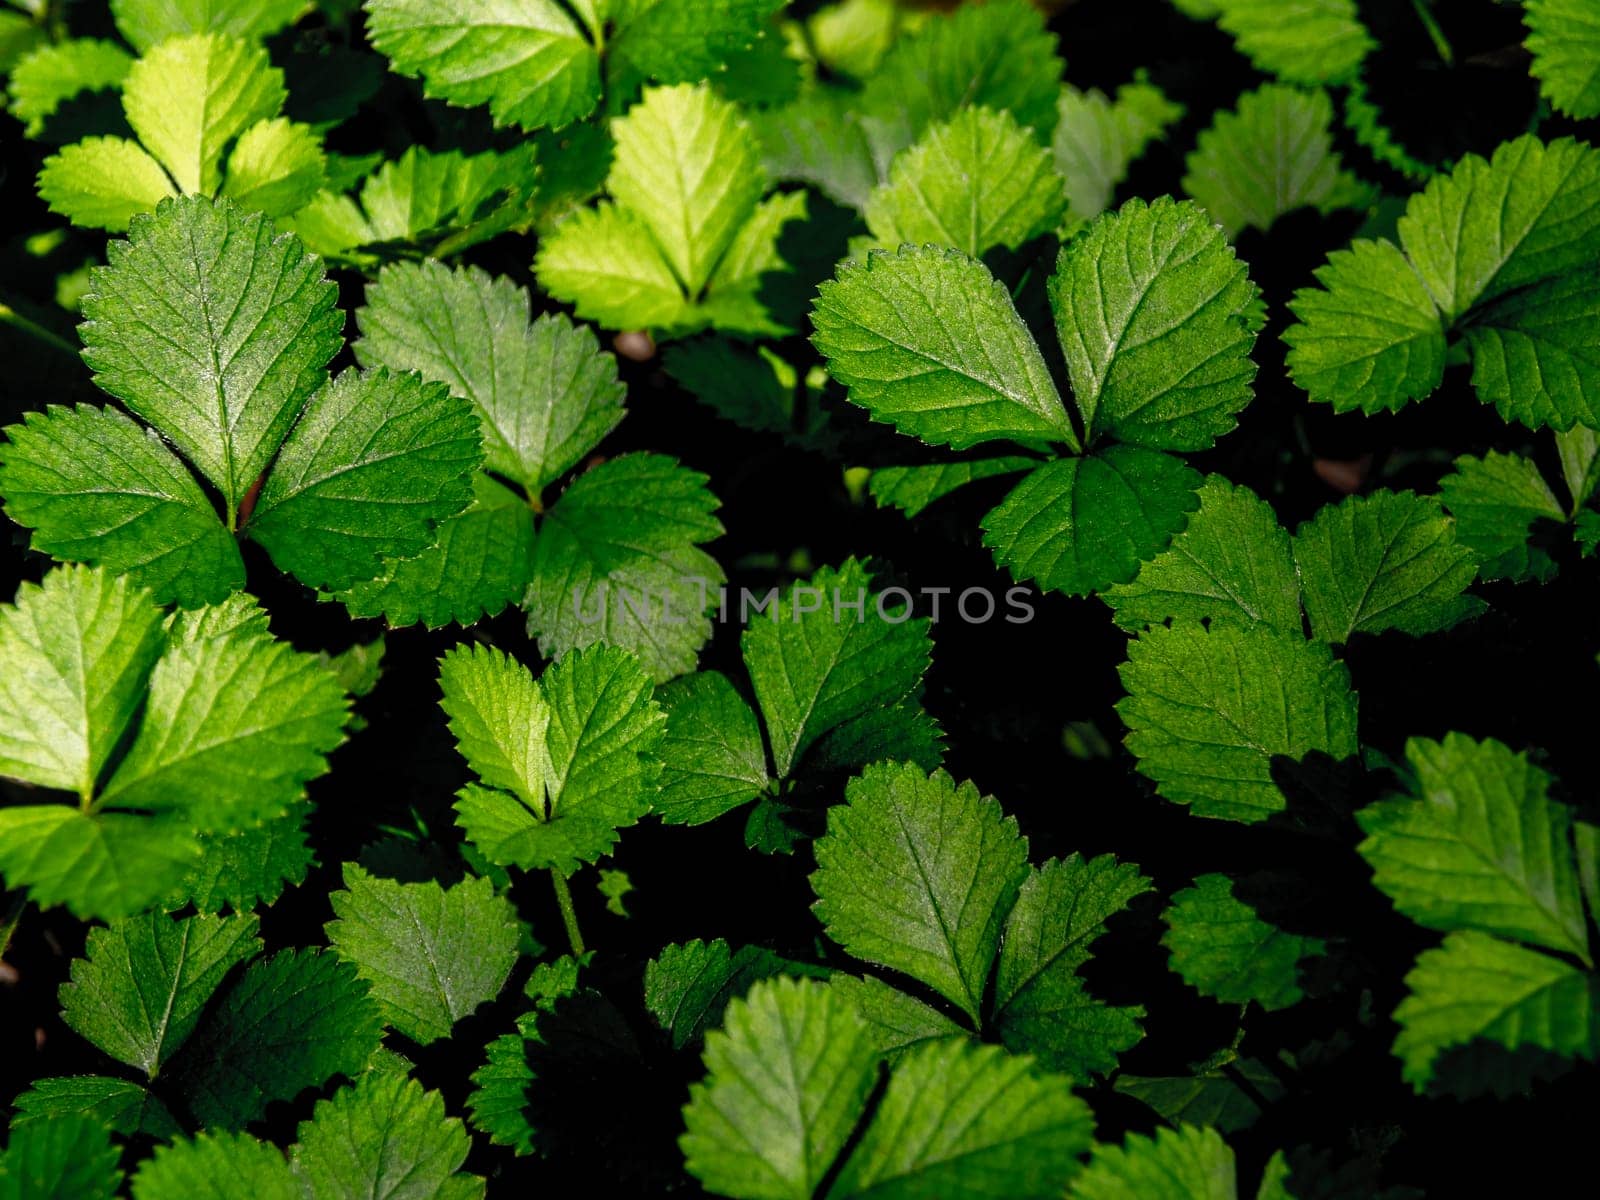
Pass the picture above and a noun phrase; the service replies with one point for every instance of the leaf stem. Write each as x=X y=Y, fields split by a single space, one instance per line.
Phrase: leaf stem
x=1440 y=42
x=569 y=915
x=10 y=316
x=13 y=918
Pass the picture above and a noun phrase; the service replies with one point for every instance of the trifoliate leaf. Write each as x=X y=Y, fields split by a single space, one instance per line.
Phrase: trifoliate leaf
x=618 y=561
x=1383 y=561
x=1224 y=949
x=688 y=986
x=374 y=463
x=148 y=22
x=1478 y=987
x=1186 y=1163
x=929 y=341
x=1481 y=846
x=76 y=652
x=545 y=392
x=1097 y=139
x=95 y=487
x=974 y=182
x=290 y=1022
x=1208 y=710
x=1041 y=1004
x=67 y=1159
x=1268 y=157
x=912 y=489
x=191 y=96
x=103 y=183
x=1496 y=501
x=1370 y=337
x=898 y=1022
x=786 y=1077
x=139 y=990
x=213 y=330
x=712 y=758
x=1079 y=525
x=830 y=652
x=1564 y=39
x=1151 y=308
x=276 y=167
x=216 y=1166
x=115 y=1104
x=1300 y=41
x=1231 y=560
x=528 y=60
x=917 y=874
x=431 y=954
x=384 y=1136
x=53 y=74
x=253 y=866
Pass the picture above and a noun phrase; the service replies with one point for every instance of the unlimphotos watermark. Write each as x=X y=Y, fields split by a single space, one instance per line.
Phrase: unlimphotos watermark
x=691 y=598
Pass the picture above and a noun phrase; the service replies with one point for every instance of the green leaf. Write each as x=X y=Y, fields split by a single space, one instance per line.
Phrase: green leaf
x=1382 y=561
x=1208 y=710
x=216 y=1166
x=291 y=1022
x=1477 y=987
x=786 y=1077
x=1211 y=1096
x=1079 y=525
x=188 y=97
x=1151 y=306
x=1481 y=846
x=432 y=955
x=912 y=489
x=1271 y=155
x=684 y=41
x=1579 y=451
x=148 y=22
x=276 y=166
x=688 y=986
x=103 y=183
x=500 y=720
x=253 y=866
x=818 y=140
x=965 y=1120
x=376 y=461
x=1371 y=337
x=917 y=874
x=545 y=392
x=95 y=487
x=213 y=330
x=618 y=561
x=1496 y=501
x=75 y=654
x=1097 y=139
x=499 y=1095
x=898 y=1022
x=106 y=864
x=1564 y=39
x=1186 y=1163
x=384 y=1136
x=734 y=297
x=115 y=1104
x=929 y=341
x=1225 y=950
x=604 y=262
x=53 y=74
x=139 y=990
x=1232 y=560
x=974 y=182
x=815 y=669
x=526 y=59
x=1532 y=356
x=712 y=758
x=67 y=1159
x=1041 y=1004
x=1300 y=41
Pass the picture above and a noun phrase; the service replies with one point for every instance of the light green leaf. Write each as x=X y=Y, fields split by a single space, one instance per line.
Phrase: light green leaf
x=604 y=261
x=103 y=183
x=1231 y=560
x=1496 y=500
x=1097 y=139
x=912 y=489
x=1079 y=525
x=276 y=167
x=500 y=720
x=1186 y=1163
x=114 y=1104
x=1382 y=561
x=1151 y=306
x=106 y=864
x=1564 y=39
x=929 y=341
x=67 y=1159
x=1481 y=846
x=688 y=986
x=1208 y=710
x=1225 y=950
x=733 y=301
x=526 y=59
x=53 y=74
x=1300 y=41
x=139 y=990
x=712 y=757
x=216 y=1166
x=917 y=874
x=432 y=955
x=213 y=330
x=148 y=22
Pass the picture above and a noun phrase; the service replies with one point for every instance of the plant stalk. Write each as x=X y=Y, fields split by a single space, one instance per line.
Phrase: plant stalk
x=569 y=915
x=1431 y=24
x=12 y=918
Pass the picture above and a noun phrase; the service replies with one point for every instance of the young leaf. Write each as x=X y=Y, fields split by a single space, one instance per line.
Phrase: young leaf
x=113 y=1104
x=1150 y=305
x=54 y=74
x=1097 y=139
x=1300 y=41
x=605 y=261
x=216 y=1166
x=139 y=990
x=67 y=1159
x=431 y=954
x=1383 y=561
x=1186 y=1163
x=1078 y=525
x=1482 y=846
x=1231 y=560
x=916 y=873
x=1225 y=950
x=1564 y=39
x=1496 y=500
x=1208 y=710
x=712 y=758
x=145 y=23
x=929 y=341
x=786 y=1077
x=103 y=183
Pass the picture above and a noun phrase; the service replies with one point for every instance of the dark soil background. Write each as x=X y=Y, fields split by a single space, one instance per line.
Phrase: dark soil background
x=1005 y=694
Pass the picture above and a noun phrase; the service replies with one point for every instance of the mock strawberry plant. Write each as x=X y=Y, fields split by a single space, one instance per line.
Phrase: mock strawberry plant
x=797 y=601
